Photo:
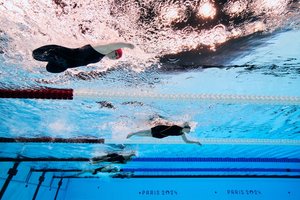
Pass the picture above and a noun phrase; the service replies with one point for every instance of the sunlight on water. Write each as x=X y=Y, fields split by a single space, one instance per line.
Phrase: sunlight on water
x=173 y=13
x=275 y=7
x=235 y=8
x=206 y=10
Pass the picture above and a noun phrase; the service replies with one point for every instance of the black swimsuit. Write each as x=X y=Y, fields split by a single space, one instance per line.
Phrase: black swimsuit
x=114 y=157
x=97 y=170
x=101 y=168
x=60 y=58
x=162 y=131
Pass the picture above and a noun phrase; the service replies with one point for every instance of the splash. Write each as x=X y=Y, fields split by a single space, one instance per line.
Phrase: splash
x=155 y=27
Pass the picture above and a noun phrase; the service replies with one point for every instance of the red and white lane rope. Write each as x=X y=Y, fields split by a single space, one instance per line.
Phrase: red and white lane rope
x=68 y=94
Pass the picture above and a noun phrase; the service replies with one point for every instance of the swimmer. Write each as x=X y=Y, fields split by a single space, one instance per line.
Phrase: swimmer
x=103 y=169
x=106 y=169
x=162 y=131
x=61 y=58
x=113 y=157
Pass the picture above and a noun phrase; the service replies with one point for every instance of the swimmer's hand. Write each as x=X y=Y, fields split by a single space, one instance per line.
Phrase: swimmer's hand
x=186 y=140
x=129 y=135
x=199 y=143
x=196 y=142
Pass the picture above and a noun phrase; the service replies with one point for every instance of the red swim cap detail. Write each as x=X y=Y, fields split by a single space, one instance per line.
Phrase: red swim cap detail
x=120 y=53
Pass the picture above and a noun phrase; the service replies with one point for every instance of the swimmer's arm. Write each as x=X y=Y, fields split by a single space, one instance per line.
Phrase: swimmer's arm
x=84 y=171
x=186 y=140
x=107 y=48
x=128 y=157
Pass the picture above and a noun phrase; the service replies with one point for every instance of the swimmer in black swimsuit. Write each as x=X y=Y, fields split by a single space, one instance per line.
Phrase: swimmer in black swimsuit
x=106 y=169
x=113 y=158
x=103 y=169
x=162 y=131
x=61 y=58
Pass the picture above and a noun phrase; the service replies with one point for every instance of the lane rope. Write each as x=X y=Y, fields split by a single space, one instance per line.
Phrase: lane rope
x=284 y=170
x=211 y=141
x=69 y=94
x=224 y=98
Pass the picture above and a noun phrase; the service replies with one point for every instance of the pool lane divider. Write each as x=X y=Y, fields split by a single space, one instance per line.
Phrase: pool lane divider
x=216 y=159
x=220 y=98
x=207 y=141
x=205 y=176
x=40 y=93
x=289 y=170
x=284 y=170
x=69 y=94
x=122 y=176
x=52 y=140
x=243 y=141
x=210 y=141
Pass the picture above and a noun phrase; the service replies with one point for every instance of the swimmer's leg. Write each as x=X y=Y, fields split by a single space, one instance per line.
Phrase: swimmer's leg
x=143 y=133
x=55 y=67
x=45 y=53
x=60 y=58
